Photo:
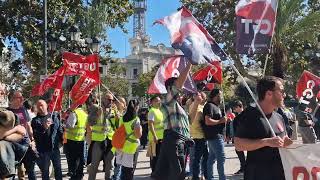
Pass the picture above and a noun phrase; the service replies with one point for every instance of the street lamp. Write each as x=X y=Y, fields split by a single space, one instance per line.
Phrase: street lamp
x=74 y=33
x=52 y=42
x=94 y=46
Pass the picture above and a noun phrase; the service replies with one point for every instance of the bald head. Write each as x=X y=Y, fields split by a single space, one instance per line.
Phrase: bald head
x=107 y=100
x=42 y=107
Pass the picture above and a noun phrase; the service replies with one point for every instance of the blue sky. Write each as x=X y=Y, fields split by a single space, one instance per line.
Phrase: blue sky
x=156 y=9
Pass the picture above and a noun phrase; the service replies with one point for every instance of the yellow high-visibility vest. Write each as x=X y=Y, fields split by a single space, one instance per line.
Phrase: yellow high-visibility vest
x=132 y=143
x=77 y=133
x=158 y=123
x=114 y=124
x=100 y=130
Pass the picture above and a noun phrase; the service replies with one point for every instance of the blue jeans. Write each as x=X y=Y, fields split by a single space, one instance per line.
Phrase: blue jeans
x=44 y=163
x=200 y=156
x=117 y=172
x=216 y=152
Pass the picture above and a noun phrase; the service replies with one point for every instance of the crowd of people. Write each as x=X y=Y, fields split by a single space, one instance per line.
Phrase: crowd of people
x=193 y=132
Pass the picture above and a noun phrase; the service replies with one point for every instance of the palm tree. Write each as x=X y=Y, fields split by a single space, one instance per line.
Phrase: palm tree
x=296 y=22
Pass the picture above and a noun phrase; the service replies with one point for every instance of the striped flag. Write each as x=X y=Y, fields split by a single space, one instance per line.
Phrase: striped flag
x=170 y=67
x=188 y=35
x=256 y=20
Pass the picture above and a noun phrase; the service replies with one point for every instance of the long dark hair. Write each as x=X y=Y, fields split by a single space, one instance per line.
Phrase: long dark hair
x=131 y=112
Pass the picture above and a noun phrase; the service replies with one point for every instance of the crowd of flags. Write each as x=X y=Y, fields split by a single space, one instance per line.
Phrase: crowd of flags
x=255 y=22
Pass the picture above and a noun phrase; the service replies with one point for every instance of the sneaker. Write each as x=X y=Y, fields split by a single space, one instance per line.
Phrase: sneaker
x=239 y=172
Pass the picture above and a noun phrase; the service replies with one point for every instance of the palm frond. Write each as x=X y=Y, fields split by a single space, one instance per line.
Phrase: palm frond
x=305 y=28
x=288 y=11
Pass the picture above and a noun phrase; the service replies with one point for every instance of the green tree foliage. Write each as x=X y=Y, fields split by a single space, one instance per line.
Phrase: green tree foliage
x=116 y=81
x=144 y=81
x=297 y=22
x=22 y=25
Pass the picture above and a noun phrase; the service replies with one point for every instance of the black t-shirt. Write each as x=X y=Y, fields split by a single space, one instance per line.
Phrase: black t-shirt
x=213 y=111
x=252 y=125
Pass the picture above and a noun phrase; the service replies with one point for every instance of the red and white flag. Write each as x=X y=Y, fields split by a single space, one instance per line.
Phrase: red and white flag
x=188 y=35
x=211 y=74
x=308 y=88
x=170 y=67
x=256 y=20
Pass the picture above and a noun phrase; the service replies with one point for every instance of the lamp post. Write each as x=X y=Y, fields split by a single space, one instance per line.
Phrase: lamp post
x=45 y=37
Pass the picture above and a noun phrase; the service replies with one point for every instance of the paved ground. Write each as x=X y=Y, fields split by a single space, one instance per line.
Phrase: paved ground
x=143 y=170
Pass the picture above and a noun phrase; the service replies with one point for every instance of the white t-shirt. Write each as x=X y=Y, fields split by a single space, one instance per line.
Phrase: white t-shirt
x=151 y=116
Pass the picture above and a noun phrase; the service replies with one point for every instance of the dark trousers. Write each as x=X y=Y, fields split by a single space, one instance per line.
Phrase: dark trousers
x=44 y=164
x=75 y=158
x=153 y=160
x=242 y=159
x=171 y=162
x=264 y=171
x=29 y=161
x=200 y=156
x=126 y=173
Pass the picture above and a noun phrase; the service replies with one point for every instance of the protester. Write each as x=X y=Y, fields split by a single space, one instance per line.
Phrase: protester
x=229 y=125
x=254 y=135
x=30 y=108
x=237 y=109
x=213 y=124
x=16 y=100
x=76 y=125
x=176 y=132
x=305 y=126
x=127 y=156
x=143 y=116
x=48 y=134
x=121 y=107
x=200 y=149
x=11 y=152
x=156 y=128
x=287 y=117
x=100 y=146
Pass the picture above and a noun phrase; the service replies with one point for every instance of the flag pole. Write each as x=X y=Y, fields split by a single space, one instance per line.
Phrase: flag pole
x=55 y=104
x=228 y=58
x=252 y=95
x=110 y=92
x=99 y=90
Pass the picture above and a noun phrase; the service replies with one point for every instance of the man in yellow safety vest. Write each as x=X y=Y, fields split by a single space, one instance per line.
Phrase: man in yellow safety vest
x=101 y=136
x=155 y=135
x=76 y=125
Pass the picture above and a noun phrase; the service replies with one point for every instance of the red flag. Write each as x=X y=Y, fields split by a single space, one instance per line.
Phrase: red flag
x=52 y=81
x=82 y=65
x=56 y=101
x=81 y=90
x=170 y=67
x=308 y=88
x=211 y=73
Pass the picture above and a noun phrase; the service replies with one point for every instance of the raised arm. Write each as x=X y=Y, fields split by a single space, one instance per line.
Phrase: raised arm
x=183 y=76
